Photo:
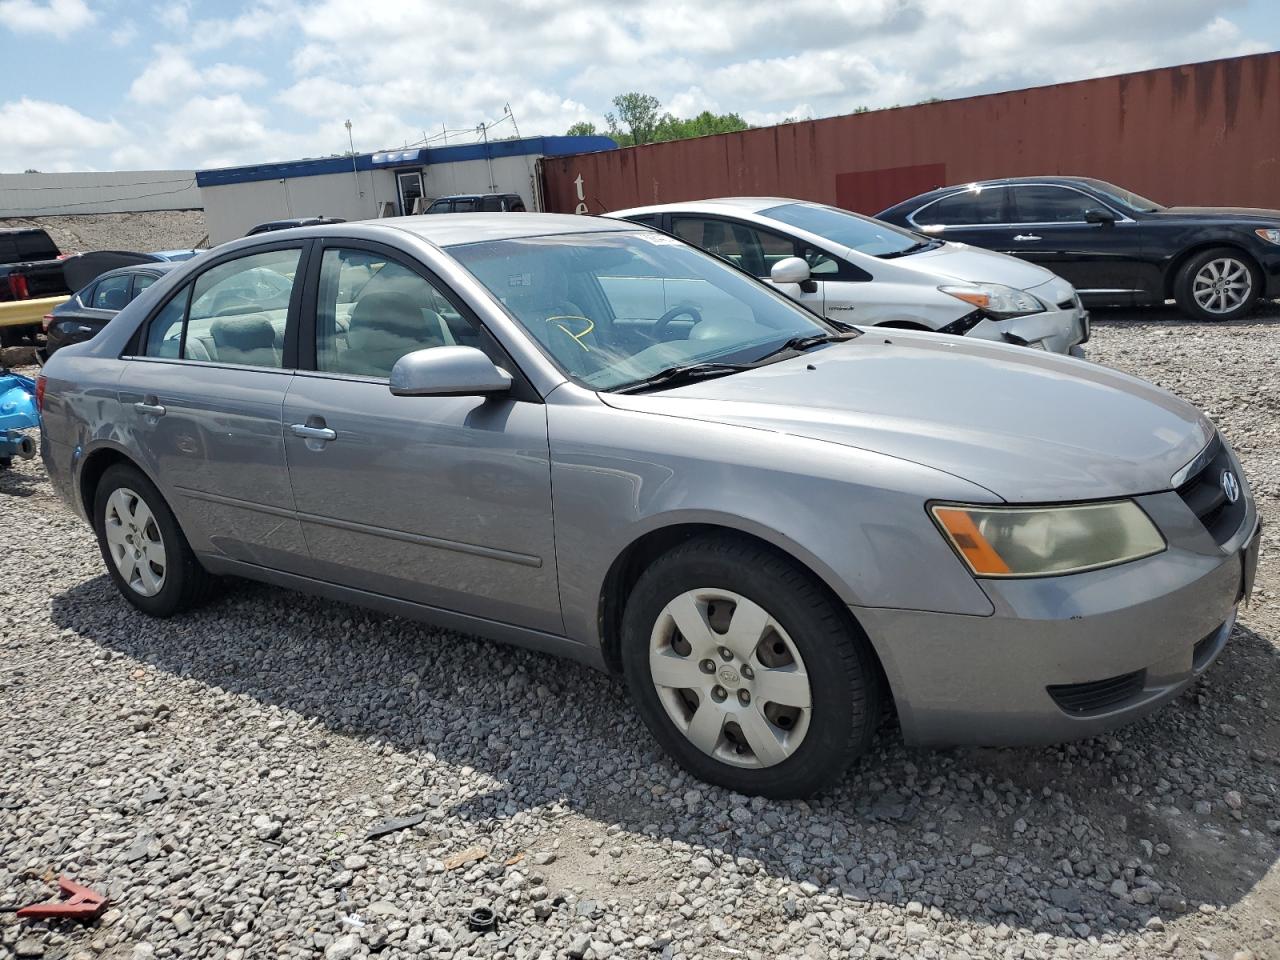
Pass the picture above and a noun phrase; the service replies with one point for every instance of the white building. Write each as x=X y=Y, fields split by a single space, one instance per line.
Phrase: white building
x=370 y=185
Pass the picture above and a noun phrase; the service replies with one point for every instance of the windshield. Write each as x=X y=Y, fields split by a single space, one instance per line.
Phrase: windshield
x=872 y=237
x=1127 y=197
x=614 y=309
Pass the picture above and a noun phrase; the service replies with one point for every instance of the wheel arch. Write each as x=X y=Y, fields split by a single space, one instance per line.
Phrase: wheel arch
x=95 y=464
x=1180 y=261
x=632 y=561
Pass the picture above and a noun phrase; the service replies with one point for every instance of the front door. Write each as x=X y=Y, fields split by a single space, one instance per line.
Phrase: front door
x=203 y=400
x=409 y=186
x=444 y=501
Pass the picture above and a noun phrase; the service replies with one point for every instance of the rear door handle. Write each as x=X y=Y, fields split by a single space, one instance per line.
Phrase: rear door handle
x=150 y=407
x=308 y=432
x=1026 y=236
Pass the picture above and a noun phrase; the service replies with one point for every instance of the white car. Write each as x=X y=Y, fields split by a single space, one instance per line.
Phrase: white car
x=855 y=269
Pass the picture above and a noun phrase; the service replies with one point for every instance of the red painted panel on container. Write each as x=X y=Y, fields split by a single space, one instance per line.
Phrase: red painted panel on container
x=1203 y=134
x=870 y=191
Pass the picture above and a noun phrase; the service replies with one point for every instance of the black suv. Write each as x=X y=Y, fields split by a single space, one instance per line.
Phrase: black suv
x=478 y=202
x=1115 y=247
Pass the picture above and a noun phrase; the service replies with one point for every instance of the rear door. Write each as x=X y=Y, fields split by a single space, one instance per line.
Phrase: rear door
x=202 y=396
x=444 y=501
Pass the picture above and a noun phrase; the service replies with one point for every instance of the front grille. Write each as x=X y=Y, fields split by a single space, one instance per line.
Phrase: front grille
x=1203 y=493
x=1080 y=699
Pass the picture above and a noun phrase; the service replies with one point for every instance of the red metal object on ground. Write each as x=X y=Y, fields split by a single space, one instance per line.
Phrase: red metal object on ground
x=81 y=903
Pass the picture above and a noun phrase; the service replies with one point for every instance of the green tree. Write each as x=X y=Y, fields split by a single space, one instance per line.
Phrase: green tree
x=583 y=128
x=704 y=124
x=638 y=112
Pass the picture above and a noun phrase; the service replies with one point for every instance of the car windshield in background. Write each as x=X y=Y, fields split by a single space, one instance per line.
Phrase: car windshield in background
x=872 y=237
x=615 y=309
x=1126 y=197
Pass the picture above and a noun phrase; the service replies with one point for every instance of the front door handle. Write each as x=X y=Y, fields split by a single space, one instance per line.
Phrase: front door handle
x=308 y=432
x=1026 y=236
x=150 y=407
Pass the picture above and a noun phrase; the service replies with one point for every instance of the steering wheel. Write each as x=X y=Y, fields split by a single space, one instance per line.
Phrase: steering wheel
x=664 y=321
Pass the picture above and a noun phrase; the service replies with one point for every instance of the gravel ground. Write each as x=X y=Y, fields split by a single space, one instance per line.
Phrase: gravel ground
x=217 y=774
x=153 y=230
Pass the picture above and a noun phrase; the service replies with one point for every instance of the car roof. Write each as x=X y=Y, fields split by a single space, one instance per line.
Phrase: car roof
x=998 y=182
x=478 y=227
x=475 y=196
x=728 y=205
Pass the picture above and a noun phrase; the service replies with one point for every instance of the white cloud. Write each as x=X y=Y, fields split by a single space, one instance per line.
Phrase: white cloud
x=124 y=34
x=58 y=17
x=171 y=75
x=52 y=136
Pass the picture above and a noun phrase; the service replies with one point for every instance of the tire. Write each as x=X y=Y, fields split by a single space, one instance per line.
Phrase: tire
x=803 y=635
x=1218 y=284
x=14 y=336
x=161 y=589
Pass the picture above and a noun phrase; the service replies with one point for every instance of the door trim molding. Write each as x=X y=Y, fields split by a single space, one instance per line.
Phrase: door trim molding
x=475 y=549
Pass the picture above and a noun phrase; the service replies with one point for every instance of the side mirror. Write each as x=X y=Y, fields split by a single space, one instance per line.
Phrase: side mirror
x=1097 y=215
x=447 y=372
x=793 y=270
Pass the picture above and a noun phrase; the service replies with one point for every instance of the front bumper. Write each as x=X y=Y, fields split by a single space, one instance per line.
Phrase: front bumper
x=1064 y=657
x=1056 y=331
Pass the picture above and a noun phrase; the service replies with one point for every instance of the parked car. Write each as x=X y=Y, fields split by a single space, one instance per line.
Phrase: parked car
x=766 y=523
x=89 y=309
x=1117 y=248
x=273 y=225
x=30 y=269
x=478 y=202
x=849 y=267
x=177 y=255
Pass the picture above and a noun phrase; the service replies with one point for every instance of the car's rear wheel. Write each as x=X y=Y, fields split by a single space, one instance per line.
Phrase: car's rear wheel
x=1218 y=284
x=145 y=551
x=746 y=669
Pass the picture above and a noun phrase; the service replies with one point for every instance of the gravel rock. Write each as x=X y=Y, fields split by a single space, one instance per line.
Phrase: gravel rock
x=241 y=754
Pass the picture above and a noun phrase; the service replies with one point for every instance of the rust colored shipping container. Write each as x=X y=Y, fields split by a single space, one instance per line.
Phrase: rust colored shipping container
x=1199 y=134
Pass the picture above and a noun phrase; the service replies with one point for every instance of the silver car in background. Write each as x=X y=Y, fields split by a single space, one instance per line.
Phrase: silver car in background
x=853 y=268
x=767 y=523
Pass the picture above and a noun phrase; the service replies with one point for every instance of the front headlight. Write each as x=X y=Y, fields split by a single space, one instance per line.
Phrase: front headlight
x=1269 y=234
x=995 y=299
x=1039 y=541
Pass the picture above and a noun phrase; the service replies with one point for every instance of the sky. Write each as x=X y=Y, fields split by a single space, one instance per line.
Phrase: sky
x=183 y=84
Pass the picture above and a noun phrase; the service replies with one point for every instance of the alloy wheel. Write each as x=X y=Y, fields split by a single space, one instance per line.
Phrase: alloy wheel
x=730 y=678
x=1222 y=285
x=135 y=542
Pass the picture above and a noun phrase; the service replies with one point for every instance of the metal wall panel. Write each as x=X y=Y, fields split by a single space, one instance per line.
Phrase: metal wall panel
x=1199 y=134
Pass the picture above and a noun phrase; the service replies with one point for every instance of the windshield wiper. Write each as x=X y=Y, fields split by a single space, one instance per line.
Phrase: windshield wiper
x=914 y=248
x=801 y=344
x=688 y=373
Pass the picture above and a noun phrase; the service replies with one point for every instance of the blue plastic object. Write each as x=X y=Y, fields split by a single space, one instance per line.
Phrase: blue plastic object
x=17 y=413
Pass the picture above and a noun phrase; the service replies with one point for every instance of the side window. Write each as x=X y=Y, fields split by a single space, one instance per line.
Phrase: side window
x=372 y=310
x=492 y=204
x=1047 y=204
x=464 y=205
x=141 y=281
x=749 y=247
x=164 y=334
x=968 y=207
x=440 y=206
x=648 y=219
x=821 y=263
x=515 y=204
x=111 y=293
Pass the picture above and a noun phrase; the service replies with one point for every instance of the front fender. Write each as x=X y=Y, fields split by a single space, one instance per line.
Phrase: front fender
x=856 y=519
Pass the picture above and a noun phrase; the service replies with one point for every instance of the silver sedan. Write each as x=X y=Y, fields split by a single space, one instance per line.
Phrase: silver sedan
x=595 y=440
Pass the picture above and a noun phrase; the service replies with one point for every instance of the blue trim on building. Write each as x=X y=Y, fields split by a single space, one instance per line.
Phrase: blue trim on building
x=389 y=159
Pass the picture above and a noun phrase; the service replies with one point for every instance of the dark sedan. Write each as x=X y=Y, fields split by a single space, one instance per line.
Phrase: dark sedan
x=89 y=308
x=1115 y=247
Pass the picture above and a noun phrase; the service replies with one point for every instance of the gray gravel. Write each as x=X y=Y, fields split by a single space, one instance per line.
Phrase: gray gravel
x=217 y=775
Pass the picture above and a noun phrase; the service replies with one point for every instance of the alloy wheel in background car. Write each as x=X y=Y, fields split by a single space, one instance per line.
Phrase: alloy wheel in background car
x=1217 y=284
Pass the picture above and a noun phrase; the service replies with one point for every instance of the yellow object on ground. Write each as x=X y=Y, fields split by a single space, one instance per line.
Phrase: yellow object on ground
x=21 y=313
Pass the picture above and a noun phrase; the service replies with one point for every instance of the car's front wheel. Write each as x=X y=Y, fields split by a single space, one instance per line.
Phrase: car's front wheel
x=1218 y=284
x=747 y=670
x=145 y=551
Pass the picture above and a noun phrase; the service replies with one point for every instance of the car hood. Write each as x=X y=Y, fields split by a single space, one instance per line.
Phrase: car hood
x=975 y=265
x=1226 y=213
x=1027 y=425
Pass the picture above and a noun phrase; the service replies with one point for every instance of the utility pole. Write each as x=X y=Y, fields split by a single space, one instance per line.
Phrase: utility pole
x=354 y=175
x=484 y=129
